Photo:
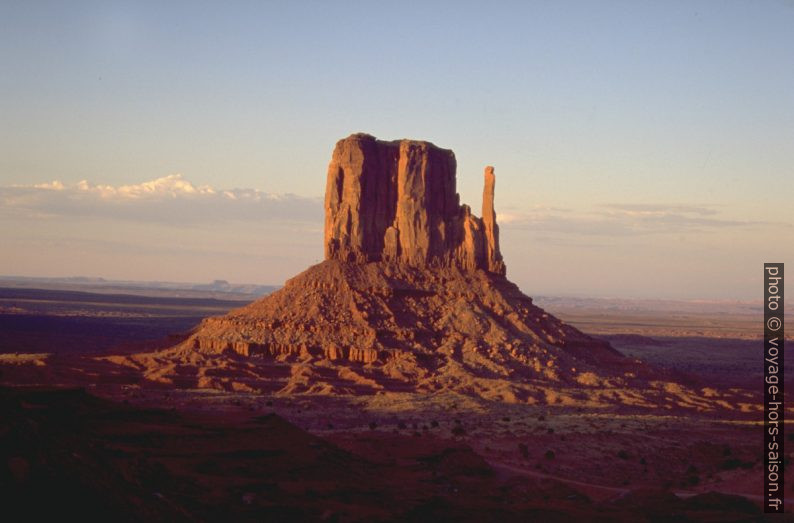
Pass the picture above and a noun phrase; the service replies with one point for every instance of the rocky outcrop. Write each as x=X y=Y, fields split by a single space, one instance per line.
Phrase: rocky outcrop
x=493 y=256
x=404 y=327
x=411 y=297
x=397 y=201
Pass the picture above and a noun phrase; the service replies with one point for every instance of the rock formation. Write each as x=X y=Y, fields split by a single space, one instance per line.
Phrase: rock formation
x=411 y=297
x=397 y=201
x=492 y=254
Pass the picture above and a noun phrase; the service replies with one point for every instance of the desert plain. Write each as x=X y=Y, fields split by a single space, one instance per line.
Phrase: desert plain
x=83 y=432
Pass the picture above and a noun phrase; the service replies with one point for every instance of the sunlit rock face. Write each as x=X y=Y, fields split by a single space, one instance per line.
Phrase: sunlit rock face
x=412 y=296
x=397 y=201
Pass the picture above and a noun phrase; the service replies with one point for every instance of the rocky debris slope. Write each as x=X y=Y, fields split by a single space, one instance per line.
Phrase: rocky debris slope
x=396 y=327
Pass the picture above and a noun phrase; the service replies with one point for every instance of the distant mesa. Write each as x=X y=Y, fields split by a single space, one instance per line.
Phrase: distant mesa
x=397 y=201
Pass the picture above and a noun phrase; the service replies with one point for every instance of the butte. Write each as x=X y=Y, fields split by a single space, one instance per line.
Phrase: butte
x=411 y=297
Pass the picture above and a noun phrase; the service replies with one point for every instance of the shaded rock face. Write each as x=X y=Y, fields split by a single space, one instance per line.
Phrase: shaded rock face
x=397 y=201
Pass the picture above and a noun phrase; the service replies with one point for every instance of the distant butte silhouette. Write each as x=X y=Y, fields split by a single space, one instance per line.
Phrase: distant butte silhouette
x=412 y=296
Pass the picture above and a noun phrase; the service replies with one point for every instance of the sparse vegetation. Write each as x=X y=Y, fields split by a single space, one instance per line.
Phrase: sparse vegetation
x=691 y=481
x=735 y=463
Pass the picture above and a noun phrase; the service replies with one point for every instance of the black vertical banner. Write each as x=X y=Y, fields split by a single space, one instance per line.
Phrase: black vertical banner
x=773 y=388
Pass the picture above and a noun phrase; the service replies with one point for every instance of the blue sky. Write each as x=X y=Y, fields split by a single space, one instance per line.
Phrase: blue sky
x=630 y=138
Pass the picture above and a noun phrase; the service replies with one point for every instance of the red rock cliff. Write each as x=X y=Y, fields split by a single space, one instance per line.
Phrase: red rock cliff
x=397 y=201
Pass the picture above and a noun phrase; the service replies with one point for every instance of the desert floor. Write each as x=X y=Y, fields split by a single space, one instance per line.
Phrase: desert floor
x=165 y=453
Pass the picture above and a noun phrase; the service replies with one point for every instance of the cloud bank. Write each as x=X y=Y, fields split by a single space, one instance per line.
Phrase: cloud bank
x=172 y=229
x=175 y=200
x=624 y=220
x=170 y=199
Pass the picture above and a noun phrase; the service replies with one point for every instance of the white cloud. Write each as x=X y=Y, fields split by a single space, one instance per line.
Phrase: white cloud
x=170 y=199
x=54 y=185
x=618 y=220
x=658 y=209
x=169 y=186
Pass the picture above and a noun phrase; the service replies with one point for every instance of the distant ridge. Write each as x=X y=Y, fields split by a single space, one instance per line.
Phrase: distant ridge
x=220 y=289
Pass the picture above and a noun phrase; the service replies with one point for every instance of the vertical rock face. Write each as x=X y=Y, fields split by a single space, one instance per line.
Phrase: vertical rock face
x=494 y=257
x=397 y=201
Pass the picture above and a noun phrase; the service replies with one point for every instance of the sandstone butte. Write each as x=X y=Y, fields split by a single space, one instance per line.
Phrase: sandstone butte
x=397 y=202
x=412 y=296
